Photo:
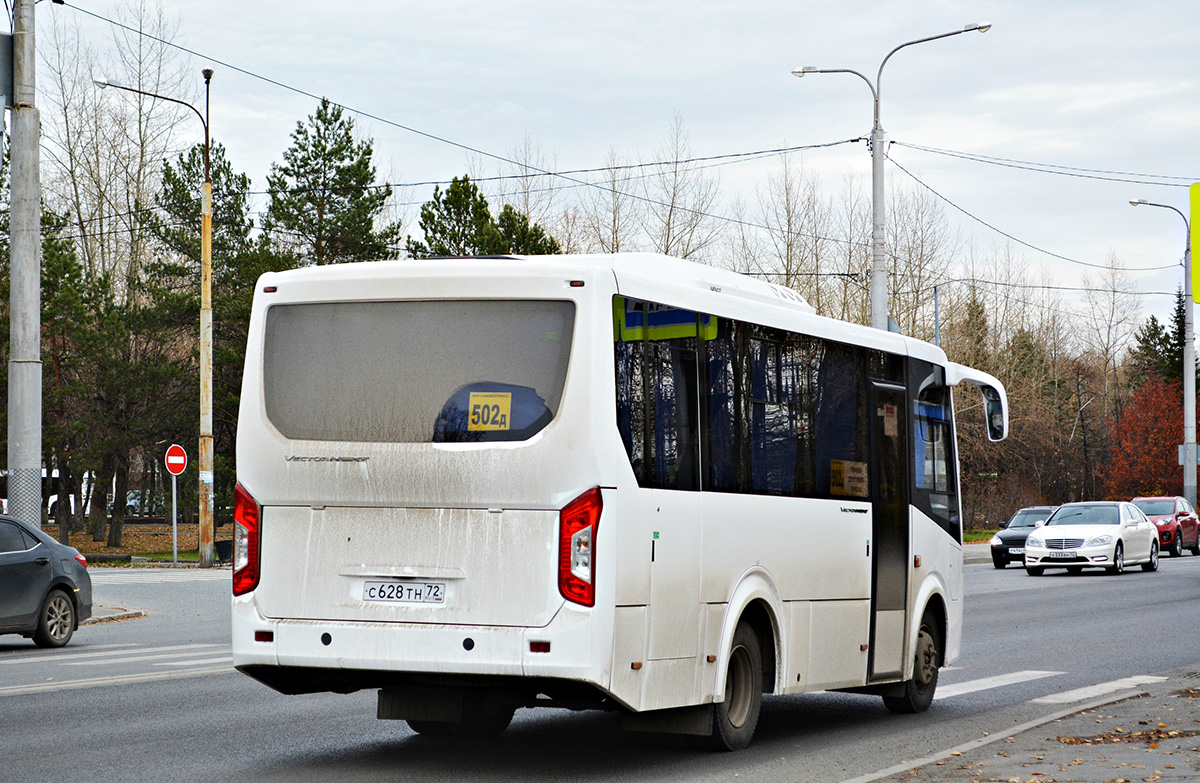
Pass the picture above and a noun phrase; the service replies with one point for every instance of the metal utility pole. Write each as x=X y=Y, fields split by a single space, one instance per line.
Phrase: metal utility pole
x=206 y=328
x=1189 y=361
x=25 y=301
x=879 y=286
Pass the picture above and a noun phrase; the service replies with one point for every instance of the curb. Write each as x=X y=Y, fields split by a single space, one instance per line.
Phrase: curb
x=106 y=614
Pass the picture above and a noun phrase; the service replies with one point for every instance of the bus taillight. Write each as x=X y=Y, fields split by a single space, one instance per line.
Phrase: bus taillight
x=577 y=527
x=246 y=514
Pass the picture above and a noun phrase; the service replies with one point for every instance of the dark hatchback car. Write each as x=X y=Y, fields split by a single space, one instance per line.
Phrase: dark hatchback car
x=1008 y=546
x=45 y=590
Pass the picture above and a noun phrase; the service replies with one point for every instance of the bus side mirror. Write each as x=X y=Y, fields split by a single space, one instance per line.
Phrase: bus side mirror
x=997 y=424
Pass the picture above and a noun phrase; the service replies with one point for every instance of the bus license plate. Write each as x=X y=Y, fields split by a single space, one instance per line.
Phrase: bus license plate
x=405 y=592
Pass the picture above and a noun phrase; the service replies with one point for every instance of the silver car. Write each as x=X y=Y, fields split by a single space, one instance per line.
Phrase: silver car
x=45 y=590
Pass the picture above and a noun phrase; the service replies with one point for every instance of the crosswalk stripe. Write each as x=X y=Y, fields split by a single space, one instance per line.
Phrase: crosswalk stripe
x=158 y=575
x=202 y=662
x=113 y=654
x=66 y=685
x=1093 y=691
x=151 y=655
x=984 y=683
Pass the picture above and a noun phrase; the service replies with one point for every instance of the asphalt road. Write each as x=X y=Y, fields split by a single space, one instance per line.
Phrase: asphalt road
x=154 y=698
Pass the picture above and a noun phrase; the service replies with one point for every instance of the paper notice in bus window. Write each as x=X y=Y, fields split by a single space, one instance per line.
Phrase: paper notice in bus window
x=489 y=411
x=848 y=478
x=890 y=421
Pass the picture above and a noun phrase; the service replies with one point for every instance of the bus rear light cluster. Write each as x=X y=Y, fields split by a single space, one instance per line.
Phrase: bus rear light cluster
x=577 y=526
x=246 y=536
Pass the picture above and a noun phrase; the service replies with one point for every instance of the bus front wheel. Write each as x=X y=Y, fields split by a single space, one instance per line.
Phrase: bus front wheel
x=918 y=692
x=735 y=719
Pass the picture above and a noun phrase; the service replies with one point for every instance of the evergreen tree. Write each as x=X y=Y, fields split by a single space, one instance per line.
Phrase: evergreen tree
x=1150 y=356
x=1158 y=349
x=238 y=259
x=458 y=222
x=324 y=203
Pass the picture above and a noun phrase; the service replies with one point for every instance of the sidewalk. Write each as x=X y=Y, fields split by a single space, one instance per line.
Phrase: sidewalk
x=977 y=553
x=1149 y=735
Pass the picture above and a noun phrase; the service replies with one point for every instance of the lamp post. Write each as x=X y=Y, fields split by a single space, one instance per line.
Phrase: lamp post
x=879 y=310
x=206 y=342
x=1189 y=361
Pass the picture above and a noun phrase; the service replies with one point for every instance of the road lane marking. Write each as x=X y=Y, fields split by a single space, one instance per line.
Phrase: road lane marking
x=155 y=576
x=1093 y=691
x=52 y=656
x=124 y=679
x=114 y=654
x=153 y=655
x=206 y=661
x=983 y=684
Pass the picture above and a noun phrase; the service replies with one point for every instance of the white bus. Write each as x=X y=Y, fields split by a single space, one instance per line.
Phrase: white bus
x=623 y=482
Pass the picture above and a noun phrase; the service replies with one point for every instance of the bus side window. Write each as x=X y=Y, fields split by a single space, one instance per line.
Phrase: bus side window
x=935 y=491
x=657 y=412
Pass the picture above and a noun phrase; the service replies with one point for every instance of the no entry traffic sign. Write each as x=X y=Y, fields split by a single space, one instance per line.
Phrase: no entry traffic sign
x=176 y=460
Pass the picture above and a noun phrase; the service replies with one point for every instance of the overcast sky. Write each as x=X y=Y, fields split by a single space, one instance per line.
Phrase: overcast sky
x=1105 y=85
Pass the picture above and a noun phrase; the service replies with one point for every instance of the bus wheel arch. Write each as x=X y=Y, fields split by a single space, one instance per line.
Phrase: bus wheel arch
x=755 y=602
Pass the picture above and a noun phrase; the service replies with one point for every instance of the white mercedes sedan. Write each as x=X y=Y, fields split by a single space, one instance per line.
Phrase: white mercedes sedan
x=1109 y=535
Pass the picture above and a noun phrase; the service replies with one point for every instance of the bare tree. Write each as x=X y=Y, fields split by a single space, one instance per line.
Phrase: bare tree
x=680 y=200
x=797 y=219
x=105 y=150
x=611 y=214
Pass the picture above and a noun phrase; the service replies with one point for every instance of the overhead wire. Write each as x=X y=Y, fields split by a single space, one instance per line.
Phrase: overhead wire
x=1009 y=236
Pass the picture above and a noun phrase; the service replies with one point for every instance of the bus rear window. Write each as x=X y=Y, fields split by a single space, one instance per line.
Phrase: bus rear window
x=416 y=371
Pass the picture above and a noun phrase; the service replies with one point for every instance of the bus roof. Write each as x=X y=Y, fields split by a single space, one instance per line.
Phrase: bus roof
x=672 y=281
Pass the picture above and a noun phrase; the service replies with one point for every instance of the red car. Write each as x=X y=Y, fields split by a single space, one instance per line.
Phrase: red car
x=1177 y=523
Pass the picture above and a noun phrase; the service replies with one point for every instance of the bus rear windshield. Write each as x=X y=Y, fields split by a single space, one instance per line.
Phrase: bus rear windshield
x=416 y=371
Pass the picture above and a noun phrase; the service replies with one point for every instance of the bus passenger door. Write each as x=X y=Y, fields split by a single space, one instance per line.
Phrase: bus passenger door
x=890 y=530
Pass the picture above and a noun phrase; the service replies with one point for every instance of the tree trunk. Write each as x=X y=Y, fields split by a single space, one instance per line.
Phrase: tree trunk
x=120 y=494
x=99 y=512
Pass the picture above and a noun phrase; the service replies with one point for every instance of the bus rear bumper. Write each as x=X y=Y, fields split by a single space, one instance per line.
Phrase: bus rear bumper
x=307 y=656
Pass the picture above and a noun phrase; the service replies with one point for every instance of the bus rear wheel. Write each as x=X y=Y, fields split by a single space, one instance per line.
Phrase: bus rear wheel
x=735 y=719
x=918 y=692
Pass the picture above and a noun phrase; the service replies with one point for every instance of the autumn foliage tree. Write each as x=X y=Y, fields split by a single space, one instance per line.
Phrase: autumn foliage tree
x=1143 y=453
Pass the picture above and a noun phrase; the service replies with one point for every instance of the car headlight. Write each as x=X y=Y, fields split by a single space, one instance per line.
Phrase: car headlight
x=1100 y=541
x=996 y=541
x=1033 y=541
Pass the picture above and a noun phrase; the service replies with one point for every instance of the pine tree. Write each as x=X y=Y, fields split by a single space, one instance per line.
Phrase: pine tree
x=324 y=202
x=238 y=259
x=458 y=222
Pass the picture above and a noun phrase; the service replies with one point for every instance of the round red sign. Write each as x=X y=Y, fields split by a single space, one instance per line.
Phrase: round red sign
x=176 y=460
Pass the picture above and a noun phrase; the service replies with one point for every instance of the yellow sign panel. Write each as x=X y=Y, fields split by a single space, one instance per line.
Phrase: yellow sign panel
x=1194 y=190
x=489 y=411
x=848 y=478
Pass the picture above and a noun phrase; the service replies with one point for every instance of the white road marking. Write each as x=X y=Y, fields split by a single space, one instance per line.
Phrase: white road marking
x=140 y=576
x=204 y=662
x=1093 y=691
x=66 y=685
x=53 y=657
x=115 y=654
x=153 y=654
x=983 y=684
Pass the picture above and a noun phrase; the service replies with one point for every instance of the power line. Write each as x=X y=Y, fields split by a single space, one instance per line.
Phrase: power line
x=1007 y=235
x=1054 y=168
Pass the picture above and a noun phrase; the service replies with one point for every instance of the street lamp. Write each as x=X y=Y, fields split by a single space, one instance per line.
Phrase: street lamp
x=879 y=315
x=1189 y=361
x=206 y=383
